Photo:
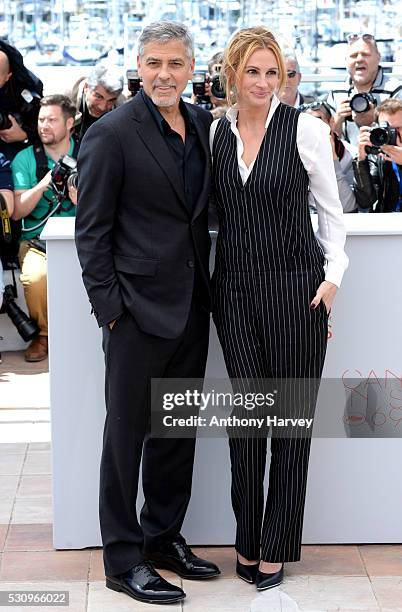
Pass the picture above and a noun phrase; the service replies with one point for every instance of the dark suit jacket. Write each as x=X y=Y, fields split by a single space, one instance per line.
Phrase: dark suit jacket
x=138 y=245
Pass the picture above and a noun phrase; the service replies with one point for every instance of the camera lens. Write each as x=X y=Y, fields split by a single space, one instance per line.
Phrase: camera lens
x=72 y=180
x=26 y=327
x=379 y=136
x=216 y=88
x=360 y=102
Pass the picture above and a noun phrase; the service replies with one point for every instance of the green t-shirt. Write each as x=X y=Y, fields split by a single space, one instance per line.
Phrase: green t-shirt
x=24 y=175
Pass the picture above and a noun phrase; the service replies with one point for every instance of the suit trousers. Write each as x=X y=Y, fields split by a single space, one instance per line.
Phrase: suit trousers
x=268 y=330
x=132 y=359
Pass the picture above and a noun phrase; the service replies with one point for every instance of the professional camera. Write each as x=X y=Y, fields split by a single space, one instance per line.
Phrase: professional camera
x=381 y=135
x=26 y=327
x=72 y=180
x=61 y=171
x=216 y=87
x=199 y=91
x=133 y=81
x=360 y=102
x=5 y=122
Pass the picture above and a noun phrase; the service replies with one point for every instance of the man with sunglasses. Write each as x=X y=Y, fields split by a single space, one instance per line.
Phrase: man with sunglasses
x=290 y=94
x=365 y=76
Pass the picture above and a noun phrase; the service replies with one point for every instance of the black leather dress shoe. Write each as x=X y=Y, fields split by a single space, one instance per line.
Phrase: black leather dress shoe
x=268 y=581
x=143 y=583
x=248 y=573
x=178 y=557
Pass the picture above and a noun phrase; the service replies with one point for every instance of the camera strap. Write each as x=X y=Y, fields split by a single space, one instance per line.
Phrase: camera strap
x=5 y=219
x=42 y=167
x=397 y=171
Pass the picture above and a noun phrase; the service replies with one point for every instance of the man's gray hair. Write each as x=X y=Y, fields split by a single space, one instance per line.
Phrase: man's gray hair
x=290 y=55
x=163 y=32
x=107 y=77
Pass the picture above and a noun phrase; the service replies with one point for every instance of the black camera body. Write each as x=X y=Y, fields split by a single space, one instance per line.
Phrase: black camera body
x=217 y=90
x=380 y=135
x=62 y=170
x=133 y=81
x=201 y=99
x=5 y=122
x=26 y=327
x=28 y=105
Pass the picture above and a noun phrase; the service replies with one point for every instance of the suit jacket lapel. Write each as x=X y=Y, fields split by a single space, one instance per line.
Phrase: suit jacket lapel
x=157 y=146
x=203 y=135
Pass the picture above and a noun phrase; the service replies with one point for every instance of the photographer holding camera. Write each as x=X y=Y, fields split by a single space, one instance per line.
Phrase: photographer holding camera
x=378 y=168
x=341 y=156
x=20 y=93
x=40 y=175
x=366 y=87
x=208 y=91
x=94 y=96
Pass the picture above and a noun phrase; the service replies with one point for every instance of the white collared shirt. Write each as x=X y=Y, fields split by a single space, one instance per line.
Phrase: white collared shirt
x=313 y=144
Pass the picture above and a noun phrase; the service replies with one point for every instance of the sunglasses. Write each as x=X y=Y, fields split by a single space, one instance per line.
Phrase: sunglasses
x=291 y=74
x=351 y=38
x=316 y=106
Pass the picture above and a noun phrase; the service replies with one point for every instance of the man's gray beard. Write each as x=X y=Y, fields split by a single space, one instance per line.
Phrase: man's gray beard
x=164 y=102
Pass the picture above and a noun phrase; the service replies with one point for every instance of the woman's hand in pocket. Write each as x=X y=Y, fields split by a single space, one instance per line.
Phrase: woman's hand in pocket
x=325 y=292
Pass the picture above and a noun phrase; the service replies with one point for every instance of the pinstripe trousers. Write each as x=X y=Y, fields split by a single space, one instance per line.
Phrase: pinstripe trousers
x=267 y=330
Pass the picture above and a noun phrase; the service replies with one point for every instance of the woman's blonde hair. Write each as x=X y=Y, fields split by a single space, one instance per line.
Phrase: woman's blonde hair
x=238 y=52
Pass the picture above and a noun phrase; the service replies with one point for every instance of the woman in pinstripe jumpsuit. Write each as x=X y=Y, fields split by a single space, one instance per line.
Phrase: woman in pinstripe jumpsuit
x=271 y=295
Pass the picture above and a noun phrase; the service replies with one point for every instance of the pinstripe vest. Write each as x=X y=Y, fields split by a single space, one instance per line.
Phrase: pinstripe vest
x=265 y=224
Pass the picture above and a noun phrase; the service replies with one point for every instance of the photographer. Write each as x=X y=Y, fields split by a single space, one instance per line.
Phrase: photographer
x=20 y=93
x=207 y=88
x=219 y=103
x=290 y=93
x=341 y=156
x=378 y=169
x=40 y=182
x=367 y=85
x=7 y=208
x=95 y=95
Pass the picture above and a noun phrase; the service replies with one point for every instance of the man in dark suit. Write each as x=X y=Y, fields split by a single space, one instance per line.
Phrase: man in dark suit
x=143 y=243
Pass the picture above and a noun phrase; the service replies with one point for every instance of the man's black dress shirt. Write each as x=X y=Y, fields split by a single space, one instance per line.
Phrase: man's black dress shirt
x=188 y=156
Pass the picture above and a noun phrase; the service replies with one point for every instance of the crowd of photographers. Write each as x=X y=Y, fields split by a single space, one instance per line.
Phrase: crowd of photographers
x=40 y=137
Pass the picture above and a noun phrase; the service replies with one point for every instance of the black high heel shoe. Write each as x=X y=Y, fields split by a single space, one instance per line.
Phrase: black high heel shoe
x=248 y=573
x=268 y=581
